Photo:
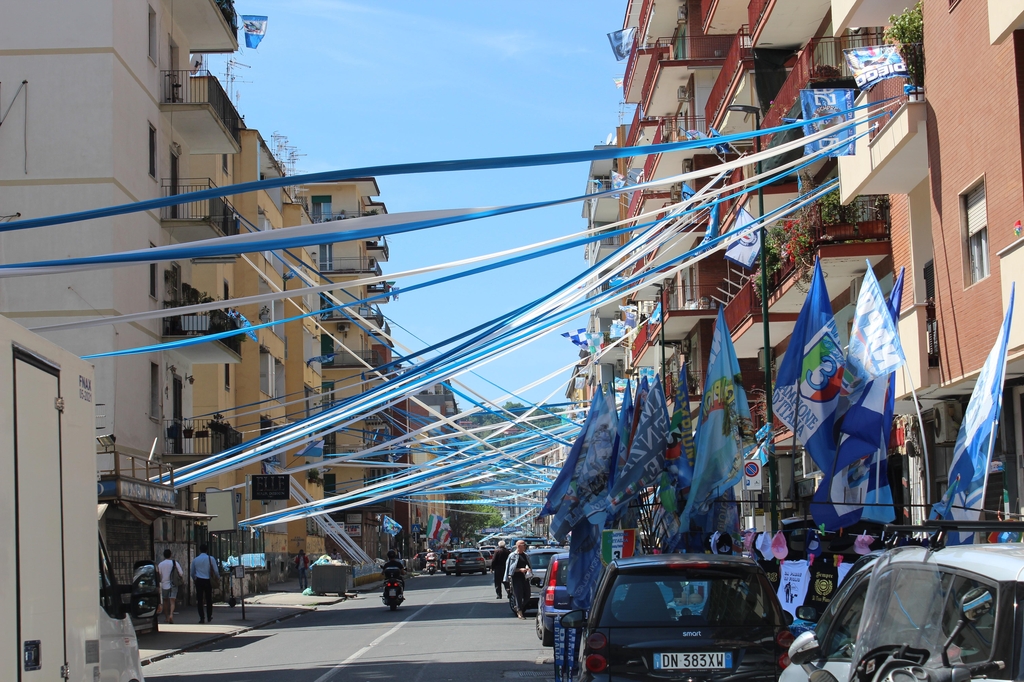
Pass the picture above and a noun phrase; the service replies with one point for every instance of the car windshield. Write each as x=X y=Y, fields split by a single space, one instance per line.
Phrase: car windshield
x=690 y=598
x=539 y=560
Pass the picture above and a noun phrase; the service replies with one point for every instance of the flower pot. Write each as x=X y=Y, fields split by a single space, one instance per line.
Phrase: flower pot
x=187 y=433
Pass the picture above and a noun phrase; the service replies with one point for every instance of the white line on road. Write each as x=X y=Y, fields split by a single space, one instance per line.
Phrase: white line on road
x=358 y=654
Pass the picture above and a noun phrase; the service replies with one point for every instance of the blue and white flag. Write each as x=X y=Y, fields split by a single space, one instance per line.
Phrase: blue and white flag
x=714 y=223
x=630 y=319
x=875 y=63
x=837 y=106
x=255 y=28
x=622 y=42
x=392 y=527
x=244 y=324
x=875 y=349
x=585 y=565
x=578 y=337
x=810 y=377
x=314 y=448
x=561 y=484
x=320 y=358
x=745 y=250
x=625 y=430
x=972 y=454
x=724 y=431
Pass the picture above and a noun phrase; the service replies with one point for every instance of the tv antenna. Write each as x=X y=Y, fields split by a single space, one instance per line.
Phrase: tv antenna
x=230 y=78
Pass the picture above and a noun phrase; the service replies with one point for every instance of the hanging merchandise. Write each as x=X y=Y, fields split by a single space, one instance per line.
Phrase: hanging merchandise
x=771 y=569
x=793 y=584
x=824 y=579
x=255 y=29
x=764 y=545
x=862 y=545
x=820 y=104
x=780 y=548
x=876 y=63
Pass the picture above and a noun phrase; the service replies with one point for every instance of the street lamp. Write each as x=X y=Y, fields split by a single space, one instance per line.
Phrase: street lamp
x=773 y=473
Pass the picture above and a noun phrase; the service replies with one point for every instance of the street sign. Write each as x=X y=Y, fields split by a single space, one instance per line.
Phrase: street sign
x=270 y=487
x=617 y=544
x=416 y=528
x=752 y=479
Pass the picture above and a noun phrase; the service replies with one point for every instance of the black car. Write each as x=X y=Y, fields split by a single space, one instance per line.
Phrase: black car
x=674 y=616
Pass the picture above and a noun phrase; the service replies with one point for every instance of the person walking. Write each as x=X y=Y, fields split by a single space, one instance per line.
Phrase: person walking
x=171 y=578
x=302 y=563
x=203 y=570
x=498 y=566
x=518 y=572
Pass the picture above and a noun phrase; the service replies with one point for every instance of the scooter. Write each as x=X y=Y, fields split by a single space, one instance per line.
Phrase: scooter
x=394 y=588
x=431 y=566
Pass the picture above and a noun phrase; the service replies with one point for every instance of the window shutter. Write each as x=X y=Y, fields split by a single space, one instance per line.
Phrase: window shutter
x=977 y=217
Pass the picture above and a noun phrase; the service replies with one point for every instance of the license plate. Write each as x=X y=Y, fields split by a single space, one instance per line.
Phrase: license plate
x=693 y=661
x=392 y=593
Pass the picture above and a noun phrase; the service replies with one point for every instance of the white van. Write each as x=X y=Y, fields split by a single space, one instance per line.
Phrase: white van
x=59 y=621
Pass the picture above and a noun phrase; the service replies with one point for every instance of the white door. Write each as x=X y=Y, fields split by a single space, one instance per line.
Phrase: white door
x=39 y=520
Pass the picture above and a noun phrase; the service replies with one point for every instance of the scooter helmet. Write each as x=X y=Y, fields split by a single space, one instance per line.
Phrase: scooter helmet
x=392 y=554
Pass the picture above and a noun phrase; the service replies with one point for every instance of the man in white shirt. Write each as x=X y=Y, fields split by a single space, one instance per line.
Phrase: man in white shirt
x=203 y=566
x=171 y=577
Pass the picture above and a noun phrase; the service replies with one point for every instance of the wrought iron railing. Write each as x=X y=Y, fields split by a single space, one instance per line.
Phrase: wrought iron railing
x=931 y=328
x=692 y=297
x=215 y=211
x=202 y=324
x=740 y=52
x=199 y=436
x=181 y=86
x=350 y=264
x=353 y=358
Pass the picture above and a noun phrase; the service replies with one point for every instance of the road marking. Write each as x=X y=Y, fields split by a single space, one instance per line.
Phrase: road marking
x=358 y=654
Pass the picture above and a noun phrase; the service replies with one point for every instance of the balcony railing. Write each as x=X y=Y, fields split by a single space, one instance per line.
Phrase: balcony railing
x=227 y=8
x=744 y=304
x=379 y=288
x=381 y=246
x=820 y=60
x=318 y=215
x=217 y=212
x=354 y=358
x=199 y=436
x=891 y=90
x=350 y=265
x=182 y=87
x=371 y=313
x=681 y=47
x=692 y=297
x=201 y=324
x=931 y=328
x=117 y=465
x=755 y=12
x=740 y=53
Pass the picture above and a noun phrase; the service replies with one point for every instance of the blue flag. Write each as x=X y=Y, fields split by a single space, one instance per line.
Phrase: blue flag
x=724 y=431
x=972 y=454
x=875 y=349
x=714 y=223
x=645 y=463
x=561 y=484
x=810 y=377
x=255 y=28
x=837 y=104
x=585 y=563
x=621 y=446
x=622 y=42
x=745 y=250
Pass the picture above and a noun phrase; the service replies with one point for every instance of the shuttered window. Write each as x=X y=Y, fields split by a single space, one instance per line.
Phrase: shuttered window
x=976 y=218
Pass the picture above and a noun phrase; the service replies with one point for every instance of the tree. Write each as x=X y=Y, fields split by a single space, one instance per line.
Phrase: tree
x=465 y=520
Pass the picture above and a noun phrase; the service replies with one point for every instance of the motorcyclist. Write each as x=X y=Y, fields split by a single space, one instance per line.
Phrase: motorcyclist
x=394 y=562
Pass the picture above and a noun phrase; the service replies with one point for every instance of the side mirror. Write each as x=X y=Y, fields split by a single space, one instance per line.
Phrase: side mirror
x=808 y=613
x=574 y=620
x=145 y=592
x=804 y=649
x=976 y=603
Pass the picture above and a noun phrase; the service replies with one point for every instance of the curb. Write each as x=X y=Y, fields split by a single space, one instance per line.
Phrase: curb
x=218 y=637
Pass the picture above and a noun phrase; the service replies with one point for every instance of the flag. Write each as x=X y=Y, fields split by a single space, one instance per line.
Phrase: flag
x=243 y=324
x=680 y=453
x=622 y=42
x=560 y=486
x=972 y=453
x=314 y=448
x=855 y=486
x=714 y=223
x=644 y=464
x=618 y=329
x=392 y=527
x=585 y=563
x=875 y=349
x=255 y=28
x=837 y=105
x=810 y=377
x=722 y=148
x=590 y=477
x=617 y=81
x=578 y=337
x=621 y=444
x=320 y=358
x=724 y=432
x=595 y=340
x=630 y=311
x=745 y=250
x=875 y=63
x=618 y=181
x=656 y=314
x=433 y=529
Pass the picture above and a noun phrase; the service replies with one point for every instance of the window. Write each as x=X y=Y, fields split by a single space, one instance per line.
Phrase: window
x=152 y=151
x=321 y=208
x=227 y=377
x=326 y=394
x=227 y=291
x=152 y=274
x=154 y=390
x=974 y=209
x=279 y=380
x=330 y=484
x=152 y=34
x=266 y=372
x=841 y=622
x=224 y=162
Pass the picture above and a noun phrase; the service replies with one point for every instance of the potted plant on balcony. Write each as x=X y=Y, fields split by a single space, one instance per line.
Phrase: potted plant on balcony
x=906 y=30
x=313 y=476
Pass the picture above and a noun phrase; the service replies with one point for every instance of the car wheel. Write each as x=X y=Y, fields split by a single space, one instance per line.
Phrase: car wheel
x=547 y=636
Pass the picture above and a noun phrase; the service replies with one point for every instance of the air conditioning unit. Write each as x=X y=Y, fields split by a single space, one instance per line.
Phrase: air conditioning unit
x=343 y=326
x=948 y=415
x=855 y=290
x=682 y=93
x=682 y=13
x=760 y=358
x=676 y=192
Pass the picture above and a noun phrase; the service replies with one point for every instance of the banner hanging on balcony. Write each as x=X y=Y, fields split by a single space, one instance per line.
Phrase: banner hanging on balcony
x=875 y=63
x=255 y=28
x=622 y=42
x=745 y=250
x=821 y=104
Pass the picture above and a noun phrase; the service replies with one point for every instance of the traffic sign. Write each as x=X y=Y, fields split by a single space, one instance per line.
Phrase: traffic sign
x=752 y=475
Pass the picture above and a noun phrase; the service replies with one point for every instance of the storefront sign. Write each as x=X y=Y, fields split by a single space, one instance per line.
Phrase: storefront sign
x=270 y=487
x=136 y=491
x=353 y=530
x=357 y=517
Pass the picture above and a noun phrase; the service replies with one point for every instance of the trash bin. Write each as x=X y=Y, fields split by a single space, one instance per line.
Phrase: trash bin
x=325 y=578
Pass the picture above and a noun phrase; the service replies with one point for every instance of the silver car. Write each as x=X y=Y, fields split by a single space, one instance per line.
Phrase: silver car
x=465 y=561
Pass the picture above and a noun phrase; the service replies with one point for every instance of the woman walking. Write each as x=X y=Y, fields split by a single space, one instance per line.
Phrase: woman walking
x=518 y=572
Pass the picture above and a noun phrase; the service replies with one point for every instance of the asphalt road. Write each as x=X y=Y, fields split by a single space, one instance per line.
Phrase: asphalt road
x=449 y=629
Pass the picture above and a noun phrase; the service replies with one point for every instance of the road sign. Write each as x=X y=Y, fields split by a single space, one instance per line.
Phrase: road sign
x=752 y=479
x=270 y=487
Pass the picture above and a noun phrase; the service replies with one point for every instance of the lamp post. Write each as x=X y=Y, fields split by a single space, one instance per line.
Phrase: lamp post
x=773 y=471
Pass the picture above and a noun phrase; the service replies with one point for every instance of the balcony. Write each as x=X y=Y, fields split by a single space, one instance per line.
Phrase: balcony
x=380 y=288
x=894 y=158
x=787 y=23
x=353 y=358
x=722 y=16
x=209 y=25
x=370 y=313
x=381 y=248
x=667 y=62
x=820 y=64
x=851 y=13
x=222 y=351
x=318 y=214
x=196 y=220
x=738 y=61
x=349 y=265
x=1004 y=17
x=687 y=306
x=199 y=437
x=201 y=112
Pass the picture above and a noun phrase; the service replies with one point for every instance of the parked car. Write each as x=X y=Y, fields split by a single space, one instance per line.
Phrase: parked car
x=999 y=568
x=554 y=598
x=488 y=555
x=678 y=615
x=539 y=560
x=461 y=561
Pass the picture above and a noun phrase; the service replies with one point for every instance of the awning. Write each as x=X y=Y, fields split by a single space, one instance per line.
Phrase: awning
x=148 y=513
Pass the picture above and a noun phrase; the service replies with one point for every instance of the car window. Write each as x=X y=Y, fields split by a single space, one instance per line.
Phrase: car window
x=690 y=599
x=471 y=555
x=539 y=560
x=563 y=571
x=975 y=640
x=837 y=630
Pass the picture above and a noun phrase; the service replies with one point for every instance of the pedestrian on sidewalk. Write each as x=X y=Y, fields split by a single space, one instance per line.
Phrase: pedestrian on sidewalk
x=171 y=578
x=203 y=570
x=302 y=563
x=518 y=571
x=498 y=566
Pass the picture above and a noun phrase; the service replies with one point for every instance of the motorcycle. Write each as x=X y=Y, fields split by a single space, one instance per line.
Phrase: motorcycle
x=431 y=564
x=917 y=626
x=394 y=588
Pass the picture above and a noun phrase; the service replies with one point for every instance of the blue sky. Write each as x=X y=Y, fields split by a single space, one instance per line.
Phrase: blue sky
x=354 y=84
